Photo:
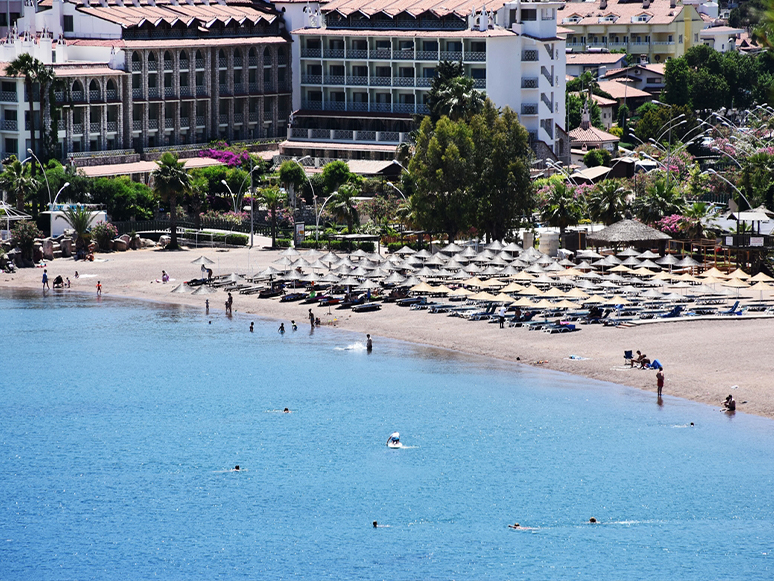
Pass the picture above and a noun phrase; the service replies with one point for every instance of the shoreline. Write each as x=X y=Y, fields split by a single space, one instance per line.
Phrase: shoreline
x=702 y=359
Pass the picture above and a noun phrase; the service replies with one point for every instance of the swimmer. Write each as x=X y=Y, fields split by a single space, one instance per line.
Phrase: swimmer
x=376 y=524
x=592 y=521
x=294 y=326
x=281 y=329
x=691 y=424
x=251 y=327
x=236 y=468
x=286 y=411
x=514 y=526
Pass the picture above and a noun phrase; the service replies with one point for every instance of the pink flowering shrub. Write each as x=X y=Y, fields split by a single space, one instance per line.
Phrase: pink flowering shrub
x=104 y=233
x=227 y=157
x=670 y=224
x=235 y=218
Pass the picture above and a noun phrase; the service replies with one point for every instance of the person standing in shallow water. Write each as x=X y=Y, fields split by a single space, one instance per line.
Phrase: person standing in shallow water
x=45 y=280
x=369 y=344
x=660 y=380
x=311 y=318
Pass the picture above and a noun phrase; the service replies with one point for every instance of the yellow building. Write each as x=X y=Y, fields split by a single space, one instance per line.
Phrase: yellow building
x=658 y=29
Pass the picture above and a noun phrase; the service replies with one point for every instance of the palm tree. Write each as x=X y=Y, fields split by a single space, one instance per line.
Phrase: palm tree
x=16 y=178
x=562 y=207
x=46 y=77
x=170 y=181
x=458 y=99
x=696 y=212
x=343 y=205
x=273 y=199
x=27 y=66
x=659 y=200
x=80 y=219
x=607 y=203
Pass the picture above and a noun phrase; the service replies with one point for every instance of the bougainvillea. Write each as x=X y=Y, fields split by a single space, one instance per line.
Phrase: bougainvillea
x=227 y=157
x=104 y=233
x=236 y=218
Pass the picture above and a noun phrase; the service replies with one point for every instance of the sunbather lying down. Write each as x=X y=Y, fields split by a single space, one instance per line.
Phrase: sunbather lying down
x=641 y=359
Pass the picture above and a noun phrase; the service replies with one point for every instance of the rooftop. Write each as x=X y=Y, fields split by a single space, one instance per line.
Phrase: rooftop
x=591 y=135
x=123 y=169
x=391 y=8
x=618 y=90
x=598 y=58
x=589 y=13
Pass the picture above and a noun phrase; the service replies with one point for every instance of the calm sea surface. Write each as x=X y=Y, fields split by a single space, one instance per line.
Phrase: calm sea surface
x=120 y=422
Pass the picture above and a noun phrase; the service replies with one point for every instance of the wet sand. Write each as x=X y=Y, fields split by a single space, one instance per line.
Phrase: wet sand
x=702 y=358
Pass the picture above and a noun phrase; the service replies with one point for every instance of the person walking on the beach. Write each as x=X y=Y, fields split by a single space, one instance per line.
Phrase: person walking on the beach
x=660 y=380
x=501 y=313
x=311 y=318
x=99 y=289
x=229 y=303
x=45 y=280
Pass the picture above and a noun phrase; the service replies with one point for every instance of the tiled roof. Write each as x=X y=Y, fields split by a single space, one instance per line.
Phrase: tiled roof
x=601 y=101
x=178 y=42
x=461 y=8
x=122 y=169
x=720 y=30
x=595 y=58
x=86 y=71
x=656 y=69
x=590 y=12
x=195 y=12
x=591 y=135
x=622 y=90
x=335 y=145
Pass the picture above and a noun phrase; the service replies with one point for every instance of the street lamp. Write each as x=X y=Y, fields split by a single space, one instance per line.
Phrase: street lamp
x=394 y=187
x=53 y=205
x=317 y=216
x=738 y=191
x=557 y=166
x=314 y=196
x=401 y=165
x=42 y=169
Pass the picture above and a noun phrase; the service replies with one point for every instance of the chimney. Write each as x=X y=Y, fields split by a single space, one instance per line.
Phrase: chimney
x=645 y=4
x=673 y=4
x=603 y=4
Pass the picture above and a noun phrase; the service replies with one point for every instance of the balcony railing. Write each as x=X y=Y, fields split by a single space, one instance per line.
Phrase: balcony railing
x=239 y=88
x=8 y=96
x=311 y=79
x=200 y=121
x=347 y=135
x=479 y=83
x=199 y=63
x=253 y=117
x=282 y=59
x=381 y=81
x=311 y=53
x=254 y=88
x=112 y=95
x=169 y=123
x=223 y=119
x=451 y=55
x=252 y=61
x=529 y=108
x=238 y=61
x=93 y=96
x=381 y=53
x=137 y=93
x=529 y=82
x=406 y=54
x=152 y=65
x=77 y=128
x=424 y=81
x=61 y=125
x=136 y=66
x=185 y=91
x=357 y=106
x=59 y=96
x=169 y=92
x=222 y=62
x=94 y=127
x=184 y=64
x=77 y=96
x=153 y=92
x=153 y=123
x=201 y=91
x=474 y=56
x=529 y=55
x=168 y=65
x=9 y=125
x=239 y=118
x=112 y=126
x=334 y=53
x=427 y=55
x=185 y=122
x=137 y=125
x=403 y=81
x=357 y=53
x=268 y=87
x=404 y=108
x=334 y=79
x=358 y=81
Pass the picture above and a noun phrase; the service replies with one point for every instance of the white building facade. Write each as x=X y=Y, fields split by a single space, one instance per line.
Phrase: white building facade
x=364 y=71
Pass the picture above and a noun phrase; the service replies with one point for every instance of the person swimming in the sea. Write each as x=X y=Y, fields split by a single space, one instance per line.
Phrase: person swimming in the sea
x=236 y=468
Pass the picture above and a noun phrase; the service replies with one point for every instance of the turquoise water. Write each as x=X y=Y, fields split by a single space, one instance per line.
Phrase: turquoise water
x=120 y=422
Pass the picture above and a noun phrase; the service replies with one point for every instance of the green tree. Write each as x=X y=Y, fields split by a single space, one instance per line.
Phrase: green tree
x=581 y=84
x=695 y=214
x=502 y=190
x=596 y=157
x=170 y=181
x=24 y=234
x=334 y=174
x=660 y=200
x=442 y=169
x=344 y=206
x=27 y=66
x=292 y=176
x=655 y=122
x=16 y=178
x=678 y=78
x=757 y=180
x=453 y=94
x=80 y=219
x=607 y=202
x=274 y=200
x=563 y=207
x=708 y=91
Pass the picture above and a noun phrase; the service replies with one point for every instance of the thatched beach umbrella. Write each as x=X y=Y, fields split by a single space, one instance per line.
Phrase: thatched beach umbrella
x=203 y=261
x=181 y=288
x=628 y=232
x=204 y=290
x=405 y=251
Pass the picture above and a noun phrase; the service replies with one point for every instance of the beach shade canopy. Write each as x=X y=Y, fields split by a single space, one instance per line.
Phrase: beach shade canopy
x=576 y=293
x=565 y=304
x=739 y=273
x=512 y=287
x=422 y=288
x=617 y=300
x=368 y=285
x=290 y=252
x=293 y=275
x=594 y=300
x=461 y=292
x=270 y=271
x=512 y=247
x=329 y=258
x=668 y=260
x=442 y=290
x=330 y=277
x=494 y=245
x=687 y=262
x=394 y=279
x=203 y=261
x=584 y=266
x=523 y=276
x=204 y=290
x=713 y=272
x=736 y=283
x=184 y=288
x=405 y=251
x=504 y=298
x=359 y=253
x=554 y=293
x=483 y=296
x=411 y=281
x=588 y=254
x=509 y=270
x=631 y=261
x=531 y=291
x=647 y=263
x=436 y=260
x=762 y=277
x=626 y=232
x=451 y=248
x=621 y=268
x=524 y=302
x=627 y=253
x=349 y=281
x=475 y=282
x=647 y=255
x=472 y=268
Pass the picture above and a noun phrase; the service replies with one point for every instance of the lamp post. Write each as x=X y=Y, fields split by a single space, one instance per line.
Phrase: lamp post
x=53 y=205
x=317 y=216
x=43 y=170
x=314 y=196
x=394 y=187
x=738 y=191
x=557 y=167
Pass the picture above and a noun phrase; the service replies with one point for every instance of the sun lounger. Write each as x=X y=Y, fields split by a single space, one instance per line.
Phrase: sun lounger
x=732 y=310
x=562 y=327
x=675 y=312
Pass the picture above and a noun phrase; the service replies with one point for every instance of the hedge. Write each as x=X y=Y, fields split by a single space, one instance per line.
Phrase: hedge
x=395 y=246
x=340 y=245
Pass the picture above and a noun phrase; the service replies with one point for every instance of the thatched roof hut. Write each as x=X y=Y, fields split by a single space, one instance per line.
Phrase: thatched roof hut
x=627 y=232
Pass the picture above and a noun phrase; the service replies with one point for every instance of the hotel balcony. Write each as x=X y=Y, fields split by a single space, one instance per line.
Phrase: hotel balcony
x=392 y=137
x=360 y=107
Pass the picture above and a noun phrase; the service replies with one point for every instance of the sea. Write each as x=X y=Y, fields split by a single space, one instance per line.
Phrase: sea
x=122 y=422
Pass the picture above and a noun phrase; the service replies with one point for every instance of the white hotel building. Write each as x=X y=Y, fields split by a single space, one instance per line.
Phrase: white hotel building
x=365 y=68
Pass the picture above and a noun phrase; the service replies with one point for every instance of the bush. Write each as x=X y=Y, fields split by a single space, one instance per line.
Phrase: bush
x=104 y=233
x=395 y=246
x=597 y=157
x=237 y=239
x=24 y=234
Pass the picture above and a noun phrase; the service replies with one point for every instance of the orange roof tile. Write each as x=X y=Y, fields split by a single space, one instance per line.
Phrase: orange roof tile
x=618 y=90
x=659 y=12
x=591 y=135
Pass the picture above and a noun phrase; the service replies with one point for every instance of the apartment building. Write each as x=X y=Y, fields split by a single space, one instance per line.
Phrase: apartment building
x=654 y=29
x=140 y=74
x=365 y=69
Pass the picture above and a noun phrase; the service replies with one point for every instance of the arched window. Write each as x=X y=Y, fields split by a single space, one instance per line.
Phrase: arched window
x=183 y=60
x=112 y=93
x=77 y=86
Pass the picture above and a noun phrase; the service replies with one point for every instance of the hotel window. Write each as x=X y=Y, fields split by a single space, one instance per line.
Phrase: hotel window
x=670 y=38
x=68 y=23
x=528 y=14
x=680 y=39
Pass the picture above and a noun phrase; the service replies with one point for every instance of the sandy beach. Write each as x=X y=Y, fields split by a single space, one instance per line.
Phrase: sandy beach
x=702 y=359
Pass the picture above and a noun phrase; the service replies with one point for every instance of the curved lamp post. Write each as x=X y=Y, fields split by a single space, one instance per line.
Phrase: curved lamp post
x=43 y=170
x=394 y=187
x=53 y=205
x=314 y=196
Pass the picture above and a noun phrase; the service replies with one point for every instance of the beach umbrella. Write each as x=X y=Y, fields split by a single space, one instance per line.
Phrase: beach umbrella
x=713 y=272
x=451 y=248
x=523 y=276
x=491 y=271
x=359 y=253
x=512 y=287
x=453 y=264
x=422 y=254
x=647 y=255
x=483 y=296
x=534 y=269
x=621 y=268
x=349 y=281
x=504 y=298
x=367 y=285
x=565 y=304
x=594 y=300
x=293 y=275
x=405 y=251
x=668 y=260
x=492 y=283
x=687 y=262
x=584 y=266
x=612 y=260
x=531 y=255
x=642 y=271
x=662 y=276
x=736 y=283
x=461 y=292
x=650 y=265
x=442 y=290
x=284 y=261
x=554 y=267
x=184 y=288
x=739 y=273
x=474 y=282
x=587 y=284
x=394 y=279
x=204 y=290
x=512 y=247
x=651 y=294
x=436 y=260
x=330 y=258
x=468 y=252
x=630 y=290
x=607 y=284
x=631 y=261
x=360 y=271
x=495 y=245
x=569 y=272
x=290 y=252
x=531 y=291
x=761 y=287
x=411 y=281
x=602 y=263
x=628 y=253
x=544 y=304
x=203 y=261
x=588 y=255
x=554 y=293
x=331 y=278
x=378 y=273
x=472 y=269
x=509 y=270
x=762 y=277
x=523 y=302
x=617 y=300
x=425 y=272
x=543 y=279
x=499 y=261
x=576 y=293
